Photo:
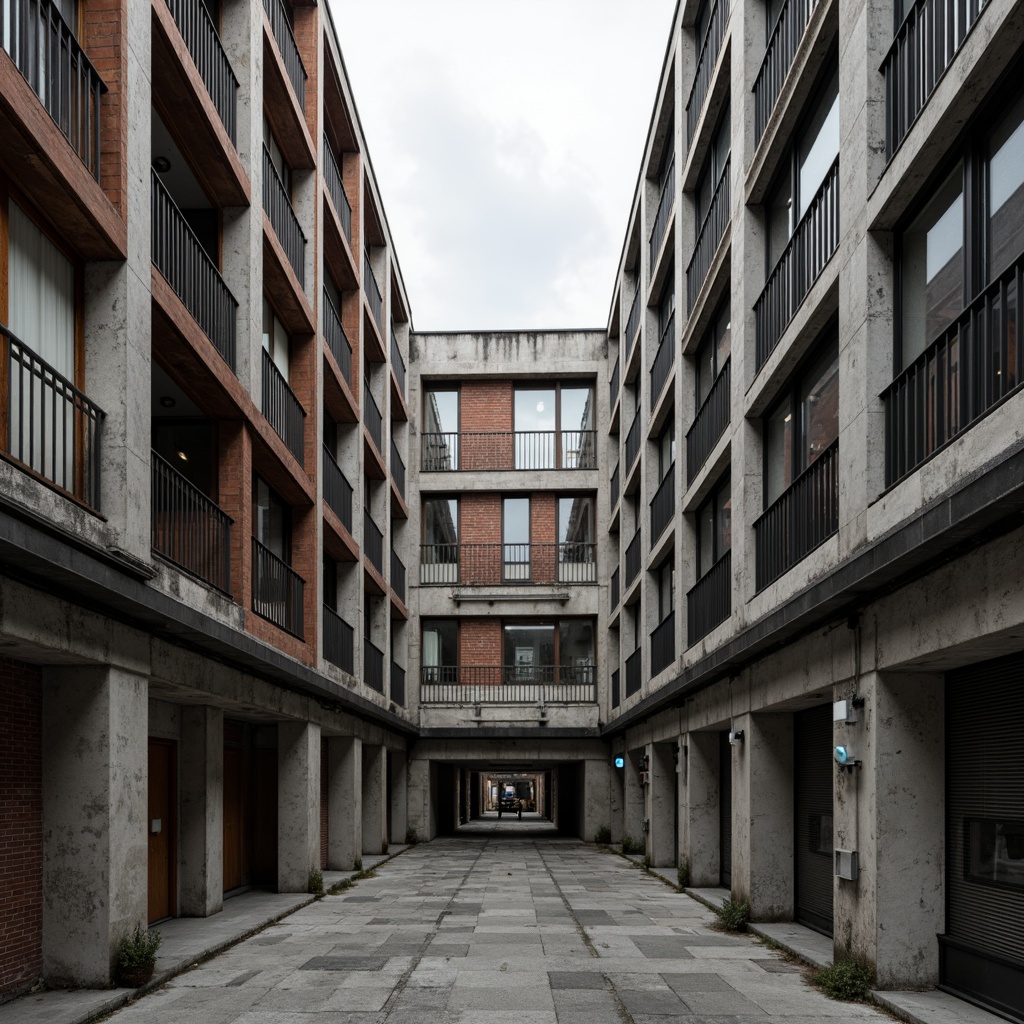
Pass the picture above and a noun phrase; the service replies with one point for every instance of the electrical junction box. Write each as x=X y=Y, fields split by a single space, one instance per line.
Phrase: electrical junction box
x=844 y=711
x=847 y=865
x=646 y=826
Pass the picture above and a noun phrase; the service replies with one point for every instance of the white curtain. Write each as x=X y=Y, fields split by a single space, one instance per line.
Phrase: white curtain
x=431 y=655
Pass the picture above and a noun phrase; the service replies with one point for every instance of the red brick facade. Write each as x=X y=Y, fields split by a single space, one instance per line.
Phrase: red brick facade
x=479 y=644
x=21 y=826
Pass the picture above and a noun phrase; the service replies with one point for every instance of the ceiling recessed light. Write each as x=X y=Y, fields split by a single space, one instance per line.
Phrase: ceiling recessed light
x=183 y=456
x=161 y=164
x=167 y=402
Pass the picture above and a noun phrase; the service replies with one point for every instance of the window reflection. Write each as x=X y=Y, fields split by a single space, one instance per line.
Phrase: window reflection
x=995 y=852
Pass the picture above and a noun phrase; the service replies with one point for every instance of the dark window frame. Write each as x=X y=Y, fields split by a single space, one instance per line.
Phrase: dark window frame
x=713 y=500
x=709 y=340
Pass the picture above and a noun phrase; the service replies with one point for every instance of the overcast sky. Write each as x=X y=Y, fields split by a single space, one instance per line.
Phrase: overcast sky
x=506 y=136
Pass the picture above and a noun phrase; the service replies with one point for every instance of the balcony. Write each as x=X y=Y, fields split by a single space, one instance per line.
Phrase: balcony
x=53 y=429
x=709 y=424
x=282 y=218
x=663 y=504
x=282 y=29
x=778 y=59
x=373 y=295
x=397 y=470
x=614 y=590
x=491 y=565
x=711 y=47
x=179 y=256
x=336 y=190
x=663 y=644
x=633 y=559
x=632 y=323
x=974 y=364
x=814 y=241
x=398 y=577
x=277 y=590
x=373 y=420
x=507 y=684
x=337 y=489
x=633 y=439
x=613 y=385
x=203 y=42
x=506 y=449
x=613 y=488
x=397 y=364
x=339 y=648
x=661 y=220
x=664 y=360
x=398 y=684
x=709 y=602
x=188 y=528
x=281 y=408
x=712 y=230
x=373 y=543
x=634 y=676
x=803 y=517
x=44 y=49
x=616 y=692
x=337 y=340
x=924 y=46
x=373 y=665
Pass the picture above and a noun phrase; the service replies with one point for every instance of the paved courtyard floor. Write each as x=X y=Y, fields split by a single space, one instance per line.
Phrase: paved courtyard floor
x=495 y=931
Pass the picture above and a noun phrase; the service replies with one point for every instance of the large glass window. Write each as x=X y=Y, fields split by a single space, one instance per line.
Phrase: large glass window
x=440 y=429
x=554 y=422
x=576 y=549
x=1006 y=192
x=439 y=557
x=714 y=528
x=275 y=338
x=271 y=520
x=667 y=305
x=515 y=535
x=284 y=172
x=440 y=655
x=667 y=449
x=714 y=165
x=667 y=588
x=529 y=653
x=713 y=351
x=576 y=651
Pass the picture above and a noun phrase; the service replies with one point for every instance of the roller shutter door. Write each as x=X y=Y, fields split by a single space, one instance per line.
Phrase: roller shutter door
x=813 y=768
x=982 y=952
x=725 y=810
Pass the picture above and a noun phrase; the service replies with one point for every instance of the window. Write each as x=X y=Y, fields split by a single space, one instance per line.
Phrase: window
x=713 y=352
x=271 y=520
x=667 y=304
x=556 y=652
x=554 y=422
x=284 y=172
x=667 y=449
x=714 y=528
x=667 y=588
x=441 y=651
x=576 y=547
x=275 y=338
x=440 y=429
x=804 y=423
x=439 y=560
x=714 y=167
x=515 y=535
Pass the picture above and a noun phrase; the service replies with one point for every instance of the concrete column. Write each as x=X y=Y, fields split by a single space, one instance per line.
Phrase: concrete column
x=661 y=794
x=399 y=796
x=344 y=802
x=617 y=803
x=420 y=813
x=374 y=791
x=95 y=839
x=892 y=811
x=596 y=798
x=298 y=804
x=201 y=812
x=633 y=807
x=762 y=816
x=702 y=839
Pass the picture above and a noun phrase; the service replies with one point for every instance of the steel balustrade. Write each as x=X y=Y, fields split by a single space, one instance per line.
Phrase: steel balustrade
x=663 y=216
x=664 y=360
x=614 y=590
x=398 y=684
x=476 y=565
x=282 y=409
x=374 y=420
x=373 y=665
x=397 y=469
x=663 y=644
x=633 y=440
x=277 y=590
x=506 y=449
x=633 y=323
x=281 y=27
x=339 y=646
x=373 y=543
x=634 y=672
x=616 y=692
x=373 y=294
x=711 y=47
x=633 y=559
x=709 y=424
x=336 y=190
x=337 y=339
x=337 y=489
x=712 y=230
x=398 y=576
x=663 y=504
x=778 y=59
x=613 y=488
x=709 y=601
x=397 y=363
x=278 y=205
x=613 y=385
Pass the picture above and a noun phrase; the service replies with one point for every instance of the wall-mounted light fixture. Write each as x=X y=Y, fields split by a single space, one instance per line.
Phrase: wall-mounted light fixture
x=845 y=758
x=620 y=762
x=161 y=164
x=846 y=710
x=735 y=737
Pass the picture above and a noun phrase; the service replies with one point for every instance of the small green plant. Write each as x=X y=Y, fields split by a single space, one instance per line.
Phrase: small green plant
x=683 y=874
x=412 y=837
x=647 y=861
x=384 y=848
x=734 y=915
x=603 y=836
x=315 y=886
x=137 y=950
x=848 y=979
x=345 y=883
x=357 y=864
x=368 y=873
x=631 y=845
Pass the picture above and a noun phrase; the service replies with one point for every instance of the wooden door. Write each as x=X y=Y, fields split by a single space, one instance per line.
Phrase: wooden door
x=161 y=825
x=233 y=817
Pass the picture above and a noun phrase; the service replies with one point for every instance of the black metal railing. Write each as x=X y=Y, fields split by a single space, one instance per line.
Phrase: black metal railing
x=613 y=385
x=188 y=269
x=633 y=440
x=476 y=565
x=276 y=590
x=336 y=189
x=664 y=359
x=398 y=584
x=281 y=26
x=814 y=241
x=614 y=592
x=337 y=339
x=663 y=644
x=709 y=424
x=711 y=47
x=633 y=323
x=373 y=665
x=397 y=470
x=712 y=230
x=337 y=489
x=278 y=205
x=616 y=691
x=661 y=219
x=188 y=528
x=373 y=419
x=52 y=427
x=633 y=558
x=507 y=684
x=506 y=449
x=339 y=647
x=373 y=543
x=398 y=684
x=924 y=46
x=282 y=409
x=44 y=49
x=373 y=295
x=972 y=365
x=613 y=488
x=803 y=517
x=397 y=363
x=663 y=504
x=709 y=602
x=203 y=43
x=779 y=55
x=634 y=672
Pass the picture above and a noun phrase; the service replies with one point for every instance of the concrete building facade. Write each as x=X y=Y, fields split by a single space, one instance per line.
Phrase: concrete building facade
x=734 y=578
